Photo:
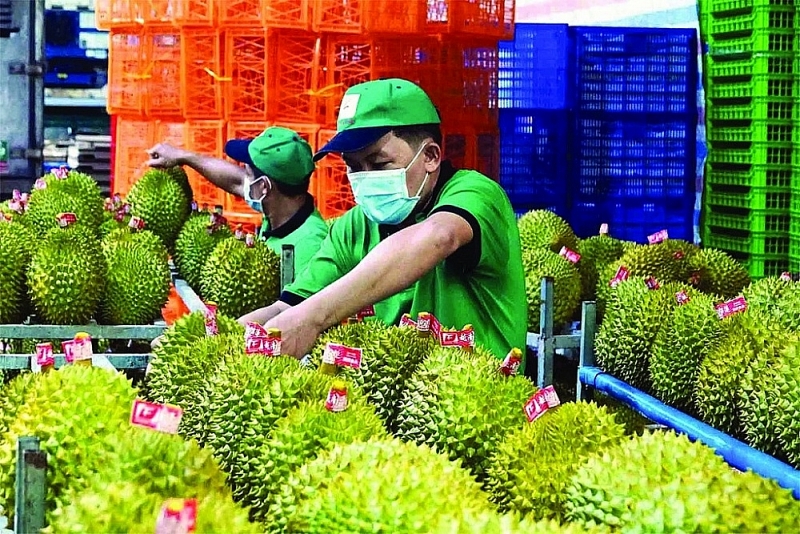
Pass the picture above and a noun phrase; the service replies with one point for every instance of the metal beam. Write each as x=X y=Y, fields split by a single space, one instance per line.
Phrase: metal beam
x=118 y=361
x=46 y=331
x=30 y=490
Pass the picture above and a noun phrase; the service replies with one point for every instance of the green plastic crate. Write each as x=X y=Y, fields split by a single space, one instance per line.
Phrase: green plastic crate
x=764 y=108
x=759 y=221
x=760 y=85
x=753 y=153
x=752 y=243
x=794 y=226
x=757 y=41
x=760 y=176
x=753 y=132
x=770 y=17
x=763 y=265
x=750 y=65
x=794 y=203
x=721 y=6
x=752 y=198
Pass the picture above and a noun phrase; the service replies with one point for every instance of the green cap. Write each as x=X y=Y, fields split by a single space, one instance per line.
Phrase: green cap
x=279 y=153
x=370 y=110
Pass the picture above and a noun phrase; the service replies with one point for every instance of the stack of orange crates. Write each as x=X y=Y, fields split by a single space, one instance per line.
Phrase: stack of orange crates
x=197 y=72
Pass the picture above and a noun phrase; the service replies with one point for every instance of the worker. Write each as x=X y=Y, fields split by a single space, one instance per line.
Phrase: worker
x=443 y=239
x=273 y=181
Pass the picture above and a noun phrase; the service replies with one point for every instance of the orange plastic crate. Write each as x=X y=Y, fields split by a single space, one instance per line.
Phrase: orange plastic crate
x=486 y=18
x=163 y=71
x=207 y=138
x=172 y=132
x=111 y=14
x=241 y=130
x=233 y=13
x=370 y=16
x=250 y=222
x=332 y=192
x=246 y=69
x=126 y=85
x=202 y=80
x=294 y=76
x=294 y=14
x=133 y=136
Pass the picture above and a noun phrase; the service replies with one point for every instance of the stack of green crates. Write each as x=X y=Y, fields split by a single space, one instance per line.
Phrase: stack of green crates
x=752 y=107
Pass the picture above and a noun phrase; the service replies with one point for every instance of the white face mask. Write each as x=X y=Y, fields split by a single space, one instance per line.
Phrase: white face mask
x=255 y=203
x=383 y=195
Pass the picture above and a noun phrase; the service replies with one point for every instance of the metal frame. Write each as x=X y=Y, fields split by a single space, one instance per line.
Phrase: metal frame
x=31 y=487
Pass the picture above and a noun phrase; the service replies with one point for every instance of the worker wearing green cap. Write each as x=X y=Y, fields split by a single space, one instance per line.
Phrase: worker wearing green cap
x=274 y=181
x=424 y=236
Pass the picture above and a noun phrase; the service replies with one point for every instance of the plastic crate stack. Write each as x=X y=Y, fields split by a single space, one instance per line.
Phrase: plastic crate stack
x=534 y=117
x=197 y=72
x=752 y=88
x=634 y=159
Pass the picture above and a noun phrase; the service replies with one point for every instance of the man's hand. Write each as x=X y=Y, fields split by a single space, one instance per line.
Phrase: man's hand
x=299 y=331
x=262 y=315
x=163 y=155
x=156 y=342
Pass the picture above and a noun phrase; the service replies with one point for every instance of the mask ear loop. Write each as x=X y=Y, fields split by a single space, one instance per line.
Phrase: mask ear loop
x=269 y=188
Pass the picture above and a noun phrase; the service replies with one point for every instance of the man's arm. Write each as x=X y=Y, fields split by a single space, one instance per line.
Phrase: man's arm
x=224 y=174
x=262 y=315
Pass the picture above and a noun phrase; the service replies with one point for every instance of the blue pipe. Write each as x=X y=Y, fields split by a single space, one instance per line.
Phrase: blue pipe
x=733 y=451
x=188 y=296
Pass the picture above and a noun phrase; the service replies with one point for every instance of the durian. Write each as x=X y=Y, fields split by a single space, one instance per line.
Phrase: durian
x=566 y=286
x=596 y=253
x=719 y=274
x=162 y=203
x=144 y=238
x=15 y=260
x=196 y=241
x=77 y=193
x=544 y=230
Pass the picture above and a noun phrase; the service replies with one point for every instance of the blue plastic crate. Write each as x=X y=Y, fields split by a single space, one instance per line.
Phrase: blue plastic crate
x=533 y=158
x=642 y=70
x=634 y=219
x=535 y=68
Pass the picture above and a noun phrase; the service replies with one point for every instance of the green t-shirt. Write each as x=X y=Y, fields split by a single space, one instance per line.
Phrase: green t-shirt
x=480 y=284
x=305 y=231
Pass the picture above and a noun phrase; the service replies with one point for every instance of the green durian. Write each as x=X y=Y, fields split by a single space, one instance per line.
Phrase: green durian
x=144 y=238
x=76 y=194
x=566 y=286
x=178 y=174
x=786 y=381
x=196 y=241
x=633 y=421
x=532 y=467
x=765 y=294
x=544 y=230
x=15 y=256
x=66 y=277
x=110 y=224
x=161 y=202
x=12 y=397
x=462 y=406
x=390 y=357
x=719 y=274
x=689 y=333
x=137 y=284
x=308 y=430
x=662 y=482
x=241 y=278
x=469 y=522
x=366 y=486
x=788 y=307
x=596 y=253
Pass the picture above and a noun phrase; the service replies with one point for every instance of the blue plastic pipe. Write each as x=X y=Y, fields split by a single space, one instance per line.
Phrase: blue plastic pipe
x=733 y=451
x=188 y=296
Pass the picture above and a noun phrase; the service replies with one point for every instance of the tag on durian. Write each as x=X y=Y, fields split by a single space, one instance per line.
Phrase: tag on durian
x=258 y=340
x=621 y=275
x=652 y=284
x=177 y=516
x=61 y=173
x=369 y=311
x=159 y=417
x=731 y=307
x=682 y=298
x=511 y=362
x=211 y=319
x=658 y=237
x=136 y=223
x=463 y=339
x=570 y=255
x=786 y=276
x=337 y=397
x=604 y=229
x=68 y=347
x=542 y=400
x=44 y=359
x=342 y=355
x=406 y=320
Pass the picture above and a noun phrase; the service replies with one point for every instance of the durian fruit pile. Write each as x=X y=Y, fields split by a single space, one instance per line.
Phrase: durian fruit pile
x=67 y=265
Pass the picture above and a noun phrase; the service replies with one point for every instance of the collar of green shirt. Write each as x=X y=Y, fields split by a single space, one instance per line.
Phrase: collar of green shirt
x=295 y=222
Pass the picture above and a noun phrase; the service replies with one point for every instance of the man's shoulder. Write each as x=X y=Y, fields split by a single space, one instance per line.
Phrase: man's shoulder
x=473 y=187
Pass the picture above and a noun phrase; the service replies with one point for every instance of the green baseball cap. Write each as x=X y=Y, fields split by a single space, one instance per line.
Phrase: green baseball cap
x=370 y=110
x=279 y=153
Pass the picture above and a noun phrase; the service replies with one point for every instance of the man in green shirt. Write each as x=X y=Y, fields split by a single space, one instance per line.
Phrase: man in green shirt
x=423 y=236
x=274 y=181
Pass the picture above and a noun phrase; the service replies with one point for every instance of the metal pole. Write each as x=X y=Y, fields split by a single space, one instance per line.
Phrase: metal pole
x=287 y=265
x=586 y=356
x=546 y=348
x=30 y=491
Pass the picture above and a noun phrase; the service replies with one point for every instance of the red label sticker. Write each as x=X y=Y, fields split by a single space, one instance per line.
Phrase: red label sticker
x=68 y=347
x=542 y=400
x=211 y=319
x=731 y=307
x=786 y=277
x=137 y=223
x=458 y=338
x=681 y=297
x=337 y=399
x=658 y=237
x=342 y=355
x=678 y=255
x=621 y=275
x=424 y=322
x=406 y=320
x=249 y=240
x=82 y=348
x=61 y=173
x=511 y=362
x=16 y=195
x=39 y=184
x=570 y=255
x=652 y=283
x=369 y=311
x=44 y=354
x=177 y=516
x=239 y=233
x=436 y=328
x=258 y=340
x=65 y=219
x=159 y=417
x=604 y=229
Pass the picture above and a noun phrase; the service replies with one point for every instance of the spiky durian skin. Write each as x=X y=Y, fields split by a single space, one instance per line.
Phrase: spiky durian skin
x=788 y=307
x=462 y=406
x=308 y=430
x=15 y=259
x=161 y=203
x=662 y=482
x=690 y=332
x=144 y=238
x=137 y=285
x=468 y=522
x=631 y=420
x=178 y=174
x=12 y=397
x=720 y=274
x=71 y=195
x=544 y=230
x=244 y=400
x=533 y=465
x=566 y=286
x=111 y=224
x=121 y=506
x=194 y=245
x=75 y=412
x=361 y=487
x=228 y=274
x=66 y=277
x=390 y=357
x=189 y=328
x=596 y=253
x=786 y=375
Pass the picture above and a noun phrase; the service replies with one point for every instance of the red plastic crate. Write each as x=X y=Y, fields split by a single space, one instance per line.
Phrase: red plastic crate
x=332 y=191
x=246 y=70
x=294 y=76
x=202 y=77
x=485 y=18
x=370 y=16
x=293 y=14
x=126 y=85
x=233 y=13
x=206 y=138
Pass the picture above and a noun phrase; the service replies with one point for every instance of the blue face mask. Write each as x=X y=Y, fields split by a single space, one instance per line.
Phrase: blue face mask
x=255 y=204
x=383 y=195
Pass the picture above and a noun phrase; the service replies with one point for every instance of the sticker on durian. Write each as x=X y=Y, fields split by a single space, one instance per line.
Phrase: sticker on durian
x=44 y=360
x=68 y=347
x=570 y=255
x=406 y=320
x=238 y=233
x=511 y=362
x=211 y=319
x=61 y=173
x=342 y=355
x=82 y=347
x=424 y=323
x=159 y=417
x=681 y=298
x=542 y=400
x=463 y=339
x=786 y=277
x=136 y=223
x=177 y=516
x=249 y=240
x=678 y=255
x=337 y=397
x=369 y=311
x=40 y=183
x=731 y=307
x=620 y=276
x=652 y=284
x=658 y=237
x=604 y=229
x=65 y=219
x=16 y=195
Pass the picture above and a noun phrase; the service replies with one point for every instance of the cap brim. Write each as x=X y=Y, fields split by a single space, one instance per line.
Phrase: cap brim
x=352 y=141
x=237 y=149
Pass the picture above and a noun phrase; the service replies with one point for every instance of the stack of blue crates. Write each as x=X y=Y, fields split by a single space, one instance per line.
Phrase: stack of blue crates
x=76 y=52
x=626 y=155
